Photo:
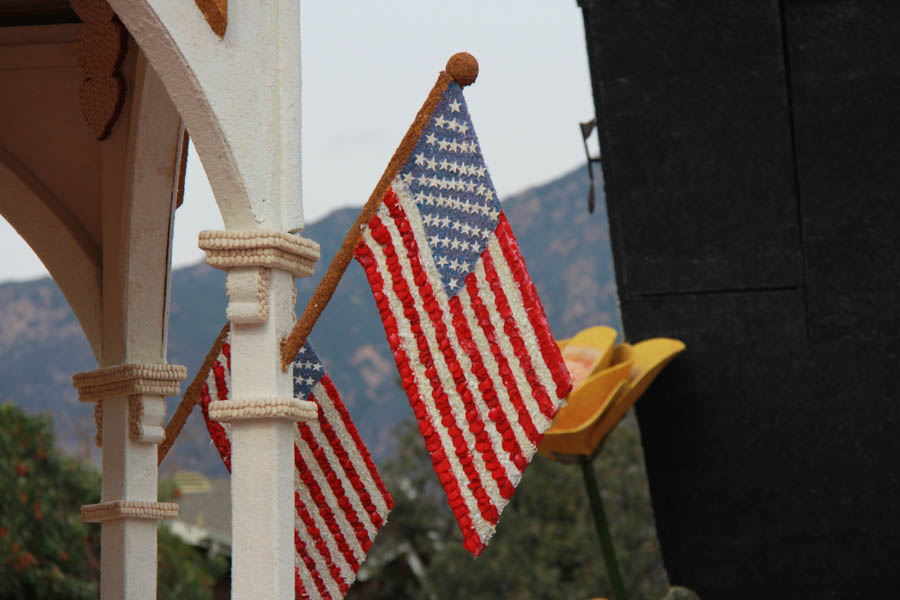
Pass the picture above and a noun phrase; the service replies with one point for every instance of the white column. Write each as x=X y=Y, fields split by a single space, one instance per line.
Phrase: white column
x=130 y=411
x=261 y=408
x=139 y=180
x=129 y=471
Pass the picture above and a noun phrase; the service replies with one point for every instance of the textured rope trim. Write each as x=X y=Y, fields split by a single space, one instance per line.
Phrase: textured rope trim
x=98 y=419
x=135 y=416
x=263 y=278
x=137 y=378
x=263 y=408
x=259 y=248
x=128 y=509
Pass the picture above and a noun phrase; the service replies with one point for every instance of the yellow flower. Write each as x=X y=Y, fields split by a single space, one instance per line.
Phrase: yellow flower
x=608 y=379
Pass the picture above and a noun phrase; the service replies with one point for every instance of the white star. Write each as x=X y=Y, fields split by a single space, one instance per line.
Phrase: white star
x=443 y=144
x=432 y=164
x=431 y=139
x=489 y=195
x=482 y=171
x=480 y=190
x=454 y=265
x=466 y=229
x=423 y=181
x=444 y=165
x=440 y=121
x=434 y=240
x=452 y=282
x=463 y=128
x=317 y=367
x=407 y=177
x=455 y=226
x=420 y=158
x=464 y=246
x=445 y=222
x=454 y=245
x=441 y=261
x=454 y=106
x=309 y=381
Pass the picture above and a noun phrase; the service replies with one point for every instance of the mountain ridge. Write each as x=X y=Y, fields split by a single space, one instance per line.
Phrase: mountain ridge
x=41 y=344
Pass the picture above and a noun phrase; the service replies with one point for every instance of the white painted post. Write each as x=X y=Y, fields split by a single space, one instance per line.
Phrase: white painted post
x=239 y=96
x=139 y=177
x=130 y=404
x=262 y=458
x=262 y=411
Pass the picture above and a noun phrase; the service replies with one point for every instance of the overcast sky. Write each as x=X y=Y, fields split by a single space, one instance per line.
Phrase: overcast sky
x=367 y=67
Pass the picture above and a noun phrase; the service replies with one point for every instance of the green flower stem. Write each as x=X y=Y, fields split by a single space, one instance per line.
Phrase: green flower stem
x=609 y=553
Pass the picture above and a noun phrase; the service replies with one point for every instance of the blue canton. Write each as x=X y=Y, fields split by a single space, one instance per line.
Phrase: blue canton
x=308 y=370
x=452 y=190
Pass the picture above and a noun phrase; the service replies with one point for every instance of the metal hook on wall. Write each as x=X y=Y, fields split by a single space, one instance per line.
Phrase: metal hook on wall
x=586 y=129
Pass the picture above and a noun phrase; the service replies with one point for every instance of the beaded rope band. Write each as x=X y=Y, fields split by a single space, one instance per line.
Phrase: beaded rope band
x=259 y=248
x=291 y=409
x=128 y=509
x=134 y=378
x=135 y=381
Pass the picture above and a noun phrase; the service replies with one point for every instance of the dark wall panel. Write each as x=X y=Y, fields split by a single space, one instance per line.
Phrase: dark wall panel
x=751 y=153
x=845 y=84
x=696 y=145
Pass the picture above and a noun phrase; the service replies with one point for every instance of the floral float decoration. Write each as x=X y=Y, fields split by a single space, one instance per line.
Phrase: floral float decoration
x=607 y=381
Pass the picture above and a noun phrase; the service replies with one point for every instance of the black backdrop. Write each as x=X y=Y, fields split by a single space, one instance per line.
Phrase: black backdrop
x=751 y=152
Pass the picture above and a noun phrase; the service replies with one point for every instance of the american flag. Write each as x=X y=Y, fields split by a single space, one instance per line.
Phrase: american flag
x=467 y=330
x=340 y=499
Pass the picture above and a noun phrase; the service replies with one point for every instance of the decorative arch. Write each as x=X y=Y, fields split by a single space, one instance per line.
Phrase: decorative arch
x=239 y=97
x=63 y=245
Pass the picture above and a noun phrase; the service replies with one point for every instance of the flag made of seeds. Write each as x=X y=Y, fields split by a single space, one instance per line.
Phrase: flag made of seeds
x=340 y=500
x=463 y=319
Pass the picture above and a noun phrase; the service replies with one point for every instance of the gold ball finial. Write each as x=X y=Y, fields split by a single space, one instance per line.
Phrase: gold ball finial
x=463 y=67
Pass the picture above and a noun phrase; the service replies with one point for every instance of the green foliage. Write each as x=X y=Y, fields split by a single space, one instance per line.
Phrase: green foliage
x=545 y=546
x=45 y=550
x=184 y=572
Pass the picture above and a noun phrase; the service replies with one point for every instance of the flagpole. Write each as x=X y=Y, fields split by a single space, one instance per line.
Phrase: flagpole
x=461 y=68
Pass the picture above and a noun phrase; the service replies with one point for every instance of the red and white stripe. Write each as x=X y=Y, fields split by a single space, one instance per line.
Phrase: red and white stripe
x=473 y=365
x=340 y=500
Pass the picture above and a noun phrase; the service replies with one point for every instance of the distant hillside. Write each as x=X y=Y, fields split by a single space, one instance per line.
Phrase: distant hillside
x=41 y=344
